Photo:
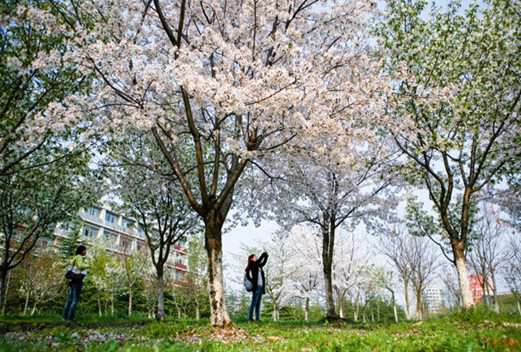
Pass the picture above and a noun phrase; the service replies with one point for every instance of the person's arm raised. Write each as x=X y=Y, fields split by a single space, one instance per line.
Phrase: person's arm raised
x=263 y=259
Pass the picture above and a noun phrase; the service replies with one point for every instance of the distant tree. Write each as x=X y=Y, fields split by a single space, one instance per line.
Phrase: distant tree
x=40 y=280
x=394 y=247
x=33 y=202
x=196 y=279
x=134 y=266
x=155 y=200
x=487 y=253
x=512 y=268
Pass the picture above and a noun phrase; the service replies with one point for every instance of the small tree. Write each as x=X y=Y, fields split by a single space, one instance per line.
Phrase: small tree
x=155 y=200
x=512 y=269
x=487 y=254
x=134 y=267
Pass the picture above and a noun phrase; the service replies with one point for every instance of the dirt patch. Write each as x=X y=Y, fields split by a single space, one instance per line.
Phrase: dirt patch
x=227 y=335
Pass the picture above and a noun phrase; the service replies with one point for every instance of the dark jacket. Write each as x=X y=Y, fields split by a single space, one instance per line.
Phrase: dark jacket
x=252 y=272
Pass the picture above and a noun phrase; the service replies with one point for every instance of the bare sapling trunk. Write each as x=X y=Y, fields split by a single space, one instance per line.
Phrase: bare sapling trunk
x=129 y=302
x=26 y=304
x=213 y=242
x=463 y=277
x=306 y=309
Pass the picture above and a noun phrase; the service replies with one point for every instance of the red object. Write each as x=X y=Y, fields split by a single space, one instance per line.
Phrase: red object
x=476 y=286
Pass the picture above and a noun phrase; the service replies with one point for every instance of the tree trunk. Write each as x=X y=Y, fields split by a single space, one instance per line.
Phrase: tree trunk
x=213 y=242
x=197 y=312
x=519 y=307
x=463 y=278
x=33 y=310
x=328 y=242
x=494 y=291
x=160 y=297
x=3 y=290
x=112 y=303
x=341 y=310
x=99 y=307
x=26 y=304
x=406 y=298
x=129 y=303
x=306 y=309
x=419 y=308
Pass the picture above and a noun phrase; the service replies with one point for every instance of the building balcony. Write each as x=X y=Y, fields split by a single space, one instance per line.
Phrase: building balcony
x=181 y=266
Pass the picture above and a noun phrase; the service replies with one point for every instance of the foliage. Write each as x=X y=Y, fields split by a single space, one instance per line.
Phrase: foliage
x=484 y=331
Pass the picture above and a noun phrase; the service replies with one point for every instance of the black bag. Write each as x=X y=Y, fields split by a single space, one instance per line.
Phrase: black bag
x=72 y=276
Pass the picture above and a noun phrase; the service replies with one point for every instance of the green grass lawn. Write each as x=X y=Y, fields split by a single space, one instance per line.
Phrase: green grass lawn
x=457 y=332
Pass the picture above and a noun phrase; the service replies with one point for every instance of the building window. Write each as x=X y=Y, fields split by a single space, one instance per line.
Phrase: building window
x=93 y=211
x=127 y=223
x=90 y=232
x=179 y=275
x=182 y=242
x=125 y=245
x=111 y=238
x=110 y=218
x=141 y=231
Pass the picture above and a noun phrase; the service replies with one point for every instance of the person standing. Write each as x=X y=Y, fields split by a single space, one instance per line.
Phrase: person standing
x=77 y=272
x=255 y=274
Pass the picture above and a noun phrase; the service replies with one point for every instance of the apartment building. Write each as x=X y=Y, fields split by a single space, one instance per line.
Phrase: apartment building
x=120 y=235
x=433 y=299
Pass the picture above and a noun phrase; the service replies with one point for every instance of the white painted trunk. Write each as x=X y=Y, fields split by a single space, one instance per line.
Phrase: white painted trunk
x=218 y=313
x=464 y=283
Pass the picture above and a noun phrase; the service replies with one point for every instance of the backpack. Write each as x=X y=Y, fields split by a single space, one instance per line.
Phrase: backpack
x=248 y=285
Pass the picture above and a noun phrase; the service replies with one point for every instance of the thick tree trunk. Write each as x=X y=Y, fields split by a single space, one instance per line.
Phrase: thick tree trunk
x=160 y=297
x=341 y=309
x=213 y=242
x=328 y=242
x=463 y=278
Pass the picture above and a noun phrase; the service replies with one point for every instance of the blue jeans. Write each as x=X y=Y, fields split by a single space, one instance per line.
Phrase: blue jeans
x=72 y=300
x=255 y=303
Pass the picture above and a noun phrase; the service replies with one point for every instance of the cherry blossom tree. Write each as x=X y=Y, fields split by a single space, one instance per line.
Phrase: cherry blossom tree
x=456 y=105
x=336 y=190
x=232 y=81
x=34 y=93
x=306 y=279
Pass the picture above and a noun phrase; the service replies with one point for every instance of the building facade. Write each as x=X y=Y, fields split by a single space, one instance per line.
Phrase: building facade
x=433 y=299
x=476 y=286
x=121 y=236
